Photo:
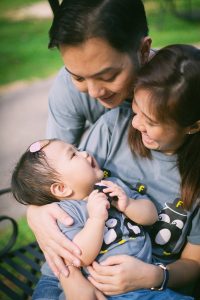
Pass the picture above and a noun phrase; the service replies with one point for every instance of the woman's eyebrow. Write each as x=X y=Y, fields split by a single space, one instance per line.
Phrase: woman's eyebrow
x=147 y=117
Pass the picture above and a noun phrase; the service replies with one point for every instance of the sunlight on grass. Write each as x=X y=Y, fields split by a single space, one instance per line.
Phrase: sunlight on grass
x=24 y=53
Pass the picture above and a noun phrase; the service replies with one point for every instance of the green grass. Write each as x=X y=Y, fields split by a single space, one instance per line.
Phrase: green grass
x=24 y=54
x=166 y=28
x=25 y=235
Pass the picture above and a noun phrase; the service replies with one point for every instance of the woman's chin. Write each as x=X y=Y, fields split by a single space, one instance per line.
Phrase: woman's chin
x=150 y=144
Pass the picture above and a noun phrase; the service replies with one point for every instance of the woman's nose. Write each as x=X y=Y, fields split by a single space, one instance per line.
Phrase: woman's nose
x=137 y=123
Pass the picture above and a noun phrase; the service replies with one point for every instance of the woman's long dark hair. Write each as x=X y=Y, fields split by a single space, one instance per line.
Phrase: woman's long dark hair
x=172 y=79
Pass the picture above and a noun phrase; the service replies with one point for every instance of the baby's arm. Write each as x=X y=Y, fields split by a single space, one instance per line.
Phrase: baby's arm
x=90 y=238
x=141 y=211
x=76 y=286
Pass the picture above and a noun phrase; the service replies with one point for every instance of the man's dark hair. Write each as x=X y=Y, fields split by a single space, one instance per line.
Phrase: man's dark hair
x=122 y=23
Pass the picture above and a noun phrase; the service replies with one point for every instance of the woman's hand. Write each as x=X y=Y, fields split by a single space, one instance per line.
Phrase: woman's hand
x=122 y=273
x=55 y=246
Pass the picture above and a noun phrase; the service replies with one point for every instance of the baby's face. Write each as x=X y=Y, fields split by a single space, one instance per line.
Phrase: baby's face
x=77 y=169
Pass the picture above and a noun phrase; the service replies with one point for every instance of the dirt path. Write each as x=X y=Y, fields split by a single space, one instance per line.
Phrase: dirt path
x=23 y=115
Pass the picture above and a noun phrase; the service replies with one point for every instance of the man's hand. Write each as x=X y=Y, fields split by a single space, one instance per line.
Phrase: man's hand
x=55 y=246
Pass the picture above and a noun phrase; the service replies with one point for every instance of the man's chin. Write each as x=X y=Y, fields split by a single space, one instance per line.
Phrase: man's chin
x=110 y=103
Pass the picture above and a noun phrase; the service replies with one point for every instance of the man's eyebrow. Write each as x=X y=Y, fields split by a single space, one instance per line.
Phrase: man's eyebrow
x=106 y=70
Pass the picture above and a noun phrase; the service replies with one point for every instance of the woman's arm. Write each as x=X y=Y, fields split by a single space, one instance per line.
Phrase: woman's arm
x=90 y=238
x=186 y=269
x=52 y=242
x=121 y=273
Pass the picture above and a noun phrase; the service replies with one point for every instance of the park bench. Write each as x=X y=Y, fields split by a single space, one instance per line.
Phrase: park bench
x=19 y=268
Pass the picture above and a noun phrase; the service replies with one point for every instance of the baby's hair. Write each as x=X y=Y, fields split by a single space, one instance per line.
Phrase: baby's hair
x=33 y=177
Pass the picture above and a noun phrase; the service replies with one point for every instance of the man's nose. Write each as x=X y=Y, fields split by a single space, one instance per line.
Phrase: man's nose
x=95 y=89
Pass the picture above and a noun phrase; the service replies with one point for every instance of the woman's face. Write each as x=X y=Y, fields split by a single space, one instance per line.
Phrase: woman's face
x=165 y=137
x=99 y=70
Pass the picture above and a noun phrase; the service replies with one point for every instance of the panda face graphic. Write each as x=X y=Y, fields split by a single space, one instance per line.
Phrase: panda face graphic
x=167 y=230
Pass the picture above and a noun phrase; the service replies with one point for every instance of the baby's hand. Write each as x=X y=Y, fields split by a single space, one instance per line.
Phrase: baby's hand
x=98 y=205
x=115 y=190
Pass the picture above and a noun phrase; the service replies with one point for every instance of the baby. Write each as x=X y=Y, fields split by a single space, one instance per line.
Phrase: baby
x=105 y=223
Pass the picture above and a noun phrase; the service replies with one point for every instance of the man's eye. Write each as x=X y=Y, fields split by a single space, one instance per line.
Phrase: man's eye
x=79 y=79
x=109 y=79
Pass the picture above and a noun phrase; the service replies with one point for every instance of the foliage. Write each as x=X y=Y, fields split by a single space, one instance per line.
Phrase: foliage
x=24 y=53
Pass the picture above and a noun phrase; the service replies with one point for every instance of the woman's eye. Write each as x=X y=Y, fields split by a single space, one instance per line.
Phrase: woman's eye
x=150 y=123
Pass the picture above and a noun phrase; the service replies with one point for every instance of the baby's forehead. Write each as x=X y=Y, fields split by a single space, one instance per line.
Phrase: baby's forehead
x=57 y=147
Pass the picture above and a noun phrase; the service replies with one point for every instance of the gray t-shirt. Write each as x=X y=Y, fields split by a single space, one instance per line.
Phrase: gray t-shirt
x=121 y=235
x=158 y=177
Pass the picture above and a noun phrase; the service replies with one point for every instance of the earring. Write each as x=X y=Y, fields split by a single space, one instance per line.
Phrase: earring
x=189 y=132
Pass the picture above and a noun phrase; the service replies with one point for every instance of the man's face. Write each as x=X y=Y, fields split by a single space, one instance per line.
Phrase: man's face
x=101 y=71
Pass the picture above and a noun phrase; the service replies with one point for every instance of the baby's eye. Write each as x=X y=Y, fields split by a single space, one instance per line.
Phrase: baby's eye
x=73 y=154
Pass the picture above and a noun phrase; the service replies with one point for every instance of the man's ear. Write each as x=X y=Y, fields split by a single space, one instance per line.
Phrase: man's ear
x=145 y=49
x=194 y=128
x=60 y=190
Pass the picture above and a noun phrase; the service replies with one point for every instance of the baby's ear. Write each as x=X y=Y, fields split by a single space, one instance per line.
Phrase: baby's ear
x=60 y=190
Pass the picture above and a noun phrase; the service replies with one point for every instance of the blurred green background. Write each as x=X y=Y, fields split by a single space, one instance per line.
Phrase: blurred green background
x=24 y=54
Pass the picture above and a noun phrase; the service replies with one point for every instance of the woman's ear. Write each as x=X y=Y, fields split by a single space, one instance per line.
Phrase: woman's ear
x=194 y=128
x=145 y=48
x=60 y=190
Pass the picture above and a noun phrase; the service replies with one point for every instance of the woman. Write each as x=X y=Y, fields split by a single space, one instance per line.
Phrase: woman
x=165 y=164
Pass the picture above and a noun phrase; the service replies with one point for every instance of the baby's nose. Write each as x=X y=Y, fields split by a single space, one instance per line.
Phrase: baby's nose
x=84 y=154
